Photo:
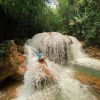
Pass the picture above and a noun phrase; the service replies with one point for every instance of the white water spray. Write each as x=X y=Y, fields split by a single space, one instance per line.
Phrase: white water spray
x=53 y=44
x=80 y=57
x=63 y=87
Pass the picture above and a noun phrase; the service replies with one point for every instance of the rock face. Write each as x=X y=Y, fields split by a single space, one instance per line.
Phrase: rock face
x=9 y=61
x=19 y=74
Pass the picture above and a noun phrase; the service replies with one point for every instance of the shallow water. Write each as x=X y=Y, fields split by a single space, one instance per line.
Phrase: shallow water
x=61 y=52
x=67 y=87
x=9 y=88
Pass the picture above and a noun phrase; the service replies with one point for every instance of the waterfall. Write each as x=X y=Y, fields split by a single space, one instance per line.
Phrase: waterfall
x=80 y=57
x=59 y=50
x=53 y=44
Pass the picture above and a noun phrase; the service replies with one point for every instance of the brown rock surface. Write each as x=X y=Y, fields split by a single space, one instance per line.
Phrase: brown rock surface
x=90 y=80
x=93 y=82
x=9 y=60
x=19 y=74
x=92 y=51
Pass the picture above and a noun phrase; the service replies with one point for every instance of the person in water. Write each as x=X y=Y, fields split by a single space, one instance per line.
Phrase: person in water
x=41 y=60
x=41 y=57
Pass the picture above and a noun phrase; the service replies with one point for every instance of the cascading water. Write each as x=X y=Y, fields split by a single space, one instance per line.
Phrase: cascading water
x=37 y=86
x=53 y=44
x=80 y=57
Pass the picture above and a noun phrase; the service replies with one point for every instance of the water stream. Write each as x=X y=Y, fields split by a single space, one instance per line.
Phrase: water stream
x=63 y=52
x=80 y=58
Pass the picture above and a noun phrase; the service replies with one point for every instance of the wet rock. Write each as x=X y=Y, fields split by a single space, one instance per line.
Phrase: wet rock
x=19 y=74
x=9 y=61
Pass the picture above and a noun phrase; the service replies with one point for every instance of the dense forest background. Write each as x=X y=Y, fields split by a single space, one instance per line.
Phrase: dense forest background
x=20 y=19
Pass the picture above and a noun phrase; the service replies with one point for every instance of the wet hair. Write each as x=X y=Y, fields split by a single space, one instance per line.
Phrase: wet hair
x=39 y=50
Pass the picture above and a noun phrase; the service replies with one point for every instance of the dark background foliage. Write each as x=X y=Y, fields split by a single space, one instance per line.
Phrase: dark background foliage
x=24 y=18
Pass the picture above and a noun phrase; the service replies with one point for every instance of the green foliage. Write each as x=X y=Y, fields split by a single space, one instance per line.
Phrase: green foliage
x=32 y=16
x=80 y=18
x=51 y=19
x=93 y=34
x=28 y=13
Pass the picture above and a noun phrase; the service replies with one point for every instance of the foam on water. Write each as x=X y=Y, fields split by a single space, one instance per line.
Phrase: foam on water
x=53 y=44
x=80 y=57
x=63 y=87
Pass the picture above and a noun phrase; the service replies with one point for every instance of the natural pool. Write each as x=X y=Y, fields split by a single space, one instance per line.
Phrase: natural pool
x=9 y=88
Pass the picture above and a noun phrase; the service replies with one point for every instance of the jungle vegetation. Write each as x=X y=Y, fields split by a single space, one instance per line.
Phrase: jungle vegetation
x=24 y=18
